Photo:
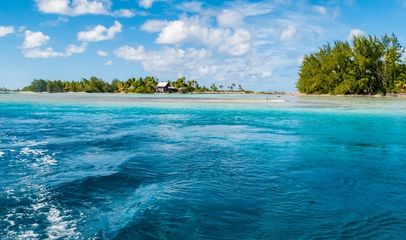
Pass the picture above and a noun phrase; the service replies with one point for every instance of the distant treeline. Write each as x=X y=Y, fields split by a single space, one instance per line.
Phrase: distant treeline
x=368 y=65
x=2 y=89
x=132 y=85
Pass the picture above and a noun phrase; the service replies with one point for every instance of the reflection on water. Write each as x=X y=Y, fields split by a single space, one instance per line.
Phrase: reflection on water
x=83 y=166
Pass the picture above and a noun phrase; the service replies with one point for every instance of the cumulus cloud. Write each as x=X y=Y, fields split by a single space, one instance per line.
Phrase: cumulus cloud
x=127 y=13
x=74 y=7
x=177 y=32
x=34 y=46
x=4 y=31
x=229 y=18
x=49 y=52
x=74 y=49
x=108 y=63
x=154 y=25
x=191 y=6
x=146 y=3
x=81 y=7
x=102 y=53
x=41 y=53
x=231 y=41
x=100 y=33
x=169 y=59
x=288 y=33
x=34 y=39
x=355 y=33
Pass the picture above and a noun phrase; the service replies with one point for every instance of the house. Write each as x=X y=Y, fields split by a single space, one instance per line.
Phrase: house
x=165 y=87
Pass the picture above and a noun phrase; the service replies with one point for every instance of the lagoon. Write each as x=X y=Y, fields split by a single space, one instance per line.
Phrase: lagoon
x=115 y=166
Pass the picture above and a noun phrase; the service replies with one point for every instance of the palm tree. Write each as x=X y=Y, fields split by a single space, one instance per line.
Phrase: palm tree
x=240 y=88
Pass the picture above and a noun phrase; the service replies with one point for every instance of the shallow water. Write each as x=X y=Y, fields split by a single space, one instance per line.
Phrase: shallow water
x=83 y=166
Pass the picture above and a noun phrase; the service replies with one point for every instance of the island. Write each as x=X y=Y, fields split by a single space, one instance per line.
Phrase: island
x=147 y=84
x=367 y=66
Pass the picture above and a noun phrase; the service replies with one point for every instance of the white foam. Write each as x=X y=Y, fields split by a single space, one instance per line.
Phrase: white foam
x=1 y=154
x=34 y=143
x=28 y=235
x=59 y=227
x=48 y=160
x=38 y=206
x=27 y=151
x=11 y=222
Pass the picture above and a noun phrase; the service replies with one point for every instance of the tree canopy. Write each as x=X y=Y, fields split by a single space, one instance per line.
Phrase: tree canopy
x=97 y=85
x=368 y=65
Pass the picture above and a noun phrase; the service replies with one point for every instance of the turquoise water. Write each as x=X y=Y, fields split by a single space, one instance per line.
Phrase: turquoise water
x=83 y=166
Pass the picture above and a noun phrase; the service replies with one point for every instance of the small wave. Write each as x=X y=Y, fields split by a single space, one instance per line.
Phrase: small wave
x=383 y=225
x=28 y=151
x=27 y=235
x=59 y=227
x=48 y=160
x=40 y=156
x=35 y=143
x=2 y=154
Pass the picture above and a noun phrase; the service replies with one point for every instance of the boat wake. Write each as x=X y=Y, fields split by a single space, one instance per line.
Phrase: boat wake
x=31 y=205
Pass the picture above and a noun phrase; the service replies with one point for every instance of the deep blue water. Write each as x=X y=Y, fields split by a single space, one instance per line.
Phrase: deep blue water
x=299 y=169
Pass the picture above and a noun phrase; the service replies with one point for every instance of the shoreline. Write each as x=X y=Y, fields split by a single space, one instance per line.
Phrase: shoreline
x=398 y=95
x=391 y=95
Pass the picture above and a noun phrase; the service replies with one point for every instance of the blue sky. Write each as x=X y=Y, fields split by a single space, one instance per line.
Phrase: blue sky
x=258 y=44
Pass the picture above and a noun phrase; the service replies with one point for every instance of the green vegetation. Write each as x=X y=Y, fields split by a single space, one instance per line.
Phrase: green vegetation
x=188 y=86
x=2 y=89
x=132 y=85
x=369 y=65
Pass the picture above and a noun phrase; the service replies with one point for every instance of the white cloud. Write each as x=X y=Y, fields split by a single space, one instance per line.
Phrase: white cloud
x=53 y=6
x=57 y=22
x=237 y=43
x=34 y=46
x=81 y=7
x=288 y=33
x=41 y=53
x=146 y=3
x=355 y=33
x=191 y=6
x=169 y=59
x=127 y=13
x=73 y=7
x=234 y=42
x=49 y=52
x=176 y=32
x=74 y=49
x=102 y=53
x=108 y=63
x=100 y=33
x=254 y=8
x=4 y=31
x=229 y=18
x=320 y=10
x=34 y=39
x=154 y=25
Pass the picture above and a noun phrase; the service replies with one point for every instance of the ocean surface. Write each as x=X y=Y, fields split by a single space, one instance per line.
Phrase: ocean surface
x=103 y=166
